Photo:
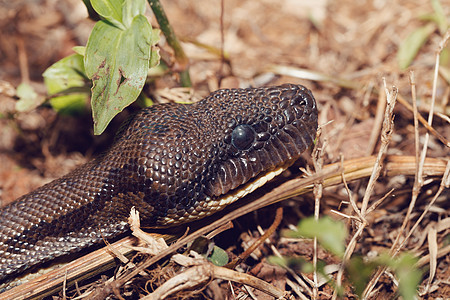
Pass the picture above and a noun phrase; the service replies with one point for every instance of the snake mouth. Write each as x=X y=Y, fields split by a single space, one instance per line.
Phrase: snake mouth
x=212 y=205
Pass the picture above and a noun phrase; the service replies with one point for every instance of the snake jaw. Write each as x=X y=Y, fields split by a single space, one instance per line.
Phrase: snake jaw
x=217 y=204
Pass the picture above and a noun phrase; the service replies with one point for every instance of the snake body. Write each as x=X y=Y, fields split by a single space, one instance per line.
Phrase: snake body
x=173 y=162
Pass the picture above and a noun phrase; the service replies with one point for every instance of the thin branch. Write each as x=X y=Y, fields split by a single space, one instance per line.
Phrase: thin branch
x=243 y=256
x=386 y=134
x=318 y=190
x=419 y=172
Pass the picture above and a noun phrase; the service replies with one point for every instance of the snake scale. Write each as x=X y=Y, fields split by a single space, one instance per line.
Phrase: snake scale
x=173 y=162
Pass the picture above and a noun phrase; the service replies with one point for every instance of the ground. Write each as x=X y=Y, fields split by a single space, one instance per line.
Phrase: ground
x=341 y=50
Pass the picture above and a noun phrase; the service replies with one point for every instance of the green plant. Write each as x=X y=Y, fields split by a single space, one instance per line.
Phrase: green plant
x=113 y=67
x=118 y=55
x=411 y=45
x=331 y=235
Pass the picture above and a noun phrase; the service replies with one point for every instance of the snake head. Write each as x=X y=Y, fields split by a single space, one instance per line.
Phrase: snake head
x=190 y=160
x=264 y=129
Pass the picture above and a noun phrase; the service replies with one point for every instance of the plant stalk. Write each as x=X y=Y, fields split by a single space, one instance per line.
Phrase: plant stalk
x=180 y=56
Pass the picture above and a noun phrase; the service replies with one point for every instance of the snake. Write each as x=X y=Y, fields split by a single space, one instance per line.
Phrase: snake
x=173 y=162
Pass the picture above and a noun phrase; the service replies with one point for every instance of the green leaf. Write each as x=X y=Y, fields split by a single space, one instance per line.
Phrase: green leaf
x=111 y=10
x=359 y=272
x=445 y=73
x=408 y=275
x=408 y=283
x=154 y=55
x=444 y=59
x=298 y=264
x=201 y=245
x=440 y=19
x=79 y=50
x=28 y=98
x=446 y=240
x=65 y=74
x=412 y=44
x=330 y=234
x=144 y=101
x=117 y=61
x=218 y=257
x=132 y=9
x=72 y=104
x=404 y=267
x=276 y=260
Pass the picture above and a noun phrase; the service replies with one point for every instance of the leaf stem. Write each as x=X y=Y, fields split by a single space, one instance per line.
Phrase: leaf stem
x=172 y=40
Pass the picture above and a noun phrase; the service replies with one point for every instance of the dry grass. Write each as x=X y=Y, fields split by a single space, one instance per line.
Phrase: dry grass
x=369 y=147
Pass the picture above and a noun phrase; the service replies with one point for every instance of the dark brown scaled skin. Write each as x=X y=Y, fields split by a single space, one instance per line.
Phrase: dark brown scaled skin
x=170 y=162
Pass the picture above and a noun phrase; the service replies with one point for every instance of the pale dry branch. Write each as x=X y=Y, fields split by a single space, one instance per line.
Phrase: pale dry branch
x=203 y=273
x=419 y=172
x=386 y=133
x=378 y=122
x=444 y=184
x=318 y=191
x=153 y=245
x=432 y=250
x=300 y=280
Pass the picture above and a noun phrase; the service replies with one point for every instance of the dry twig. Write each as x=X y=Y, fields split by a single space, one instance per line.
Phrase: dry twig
x=202 y=272
x=418 y=183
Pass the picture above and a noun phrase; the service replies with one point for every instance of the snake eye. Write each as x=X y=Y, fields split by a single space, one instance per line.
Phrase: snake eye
x=243 y=137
